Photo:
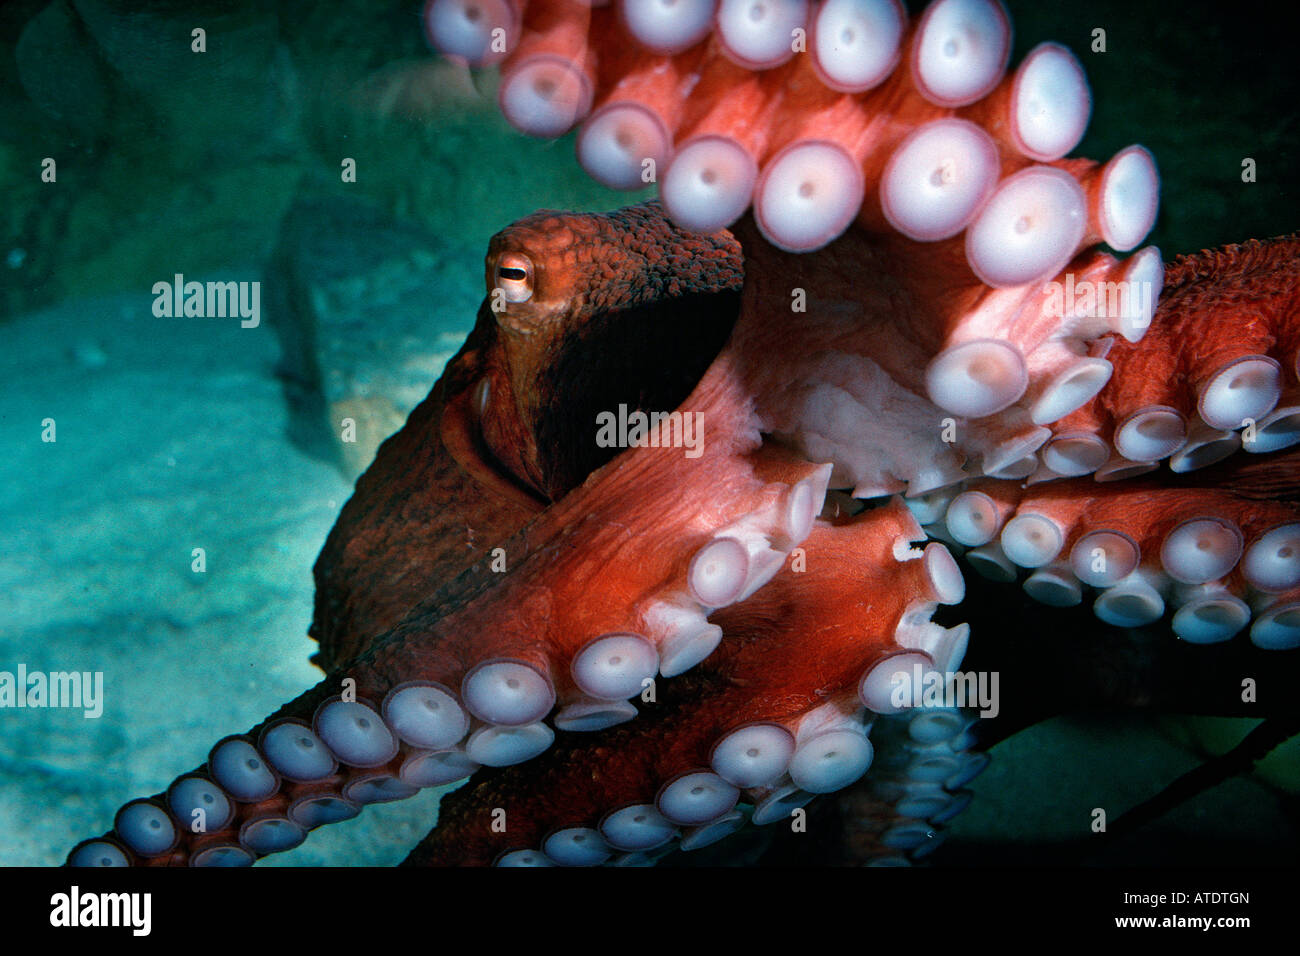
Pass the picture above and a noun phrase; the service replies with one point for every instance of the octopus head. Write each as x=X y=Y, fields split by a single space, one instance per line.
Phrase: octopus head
x=585 y=313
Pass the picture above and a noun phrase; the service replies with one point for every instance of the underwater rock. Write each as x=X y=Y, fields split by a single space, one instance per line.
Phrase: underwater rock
x=121 y=67
x=368 y=310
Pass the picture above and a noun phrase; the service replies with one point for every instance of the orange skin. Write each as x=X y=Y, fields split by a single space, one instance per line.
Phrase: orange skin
x=455 y=483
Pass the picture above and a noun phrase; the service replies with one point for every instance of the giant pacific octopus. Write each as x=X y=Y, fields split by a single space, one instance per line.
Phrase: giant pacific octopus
x=910 y=345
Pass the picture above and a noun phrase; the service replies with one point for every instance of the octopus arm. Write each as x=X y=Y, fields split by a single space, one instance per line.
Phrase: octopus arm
x=776 y=715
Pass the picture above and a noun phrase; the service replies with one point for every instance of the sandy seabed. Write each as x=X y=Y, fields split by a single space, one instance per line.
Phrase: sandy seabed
x=170 y=436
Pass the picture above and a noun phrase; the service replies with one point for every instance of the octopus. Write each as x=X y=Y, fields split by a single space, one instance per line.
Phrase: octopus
x=668 y=558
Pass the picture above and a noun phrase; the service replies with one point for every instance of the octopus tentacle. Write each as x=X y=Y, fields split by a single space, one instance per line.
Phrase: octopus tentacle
x=1217 y=371
x=820 y=115
x=1214 y=554
x=909 y=383
x=754 y=724
x=502 y=657
x=535 y=637
x=237 y=806
x=322 y=757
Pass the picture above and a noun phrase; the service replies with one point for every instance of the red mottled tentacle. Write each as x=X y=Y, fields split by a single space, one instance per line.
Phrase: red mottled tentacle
x=757 y=732
x=1215 y=555
x=895 y=345
x=820 y=114
x=1218 y=368
x=658 y=564
x=909 y=376
x=922 y=762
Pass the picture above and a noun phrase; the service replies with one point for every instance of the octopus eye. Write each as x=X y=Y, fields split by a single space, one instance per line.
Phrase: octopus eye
x=515 y=277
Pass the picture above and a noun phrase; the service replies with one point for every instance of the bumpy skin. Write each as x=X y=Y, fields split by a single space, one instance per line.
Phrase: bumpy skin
x=494 y=532
x=459 y=479
x=764 y=671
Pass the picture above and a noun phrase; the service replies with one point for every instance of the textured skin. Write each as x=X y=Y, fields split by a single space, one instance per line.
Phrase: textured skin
x=448 y=487
x=761 y=672
x=1255 y=282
